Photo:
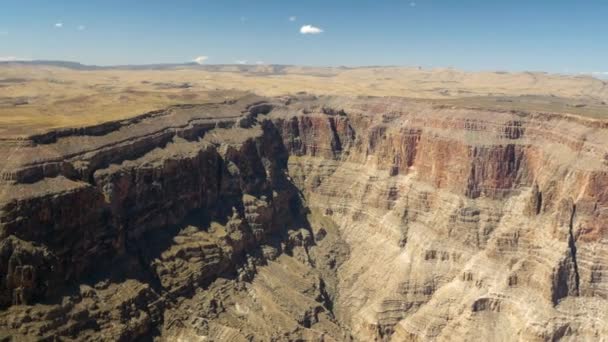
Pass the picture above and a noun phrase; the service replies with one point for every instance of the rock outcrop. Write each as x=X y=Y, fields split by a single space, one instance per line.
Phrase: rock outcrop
x=308 y=218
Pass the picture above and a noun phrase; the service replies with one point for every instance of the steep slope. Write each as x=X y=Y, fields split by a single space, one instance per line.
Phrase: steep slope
x=462 y=224
x=308 y=218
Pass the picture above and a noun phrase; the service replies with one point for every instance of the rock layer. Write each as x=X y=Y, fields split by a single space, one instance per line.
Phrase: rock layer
x=461 y=224
x=308 y=218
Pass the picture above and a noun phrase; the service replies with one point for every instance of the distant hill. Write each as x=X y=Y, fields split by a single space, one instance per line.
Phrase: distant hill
x=61 y=64
x=257 y=69
x=160 y=66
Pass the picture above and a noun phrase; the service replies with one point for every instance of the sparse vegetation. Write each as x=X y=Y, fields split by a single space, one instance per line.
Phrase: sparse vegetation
x=36 y=98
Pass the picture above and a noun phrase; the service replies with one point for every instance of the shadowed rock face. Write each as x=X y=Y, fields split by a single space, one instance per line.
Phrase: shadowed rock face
x=308 y=218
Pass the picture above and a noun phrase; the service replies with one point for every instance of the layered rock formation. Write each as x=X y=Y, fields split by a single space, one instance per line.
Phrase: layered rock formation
x=308 y=218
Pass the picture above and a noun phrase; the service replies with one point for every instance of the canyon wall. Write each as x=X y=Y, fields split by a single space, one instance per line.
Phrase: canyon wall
x=462 y=224
x=308 y=218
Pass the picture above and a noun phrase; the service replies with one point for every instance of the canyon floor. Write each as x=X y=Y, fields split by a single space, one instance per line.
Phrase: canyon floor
x=281 y=203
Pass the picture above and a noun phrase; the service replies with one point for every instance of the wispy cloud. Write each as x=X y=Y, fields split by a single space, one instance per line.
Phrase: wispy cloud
x=59 y=25
x=293 y=18
x=260 y=63
x=592 y=72
x=200 y=59
x=12 y=59
x=412 y=4
x=597 y=74
x=82 y=28
x=241 y=61
x=309 y=29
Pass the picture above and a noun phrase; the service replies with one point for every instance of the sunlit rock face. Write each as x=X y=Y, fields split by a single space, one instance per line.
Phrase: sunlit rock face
x=461 y=223
x=308 y=218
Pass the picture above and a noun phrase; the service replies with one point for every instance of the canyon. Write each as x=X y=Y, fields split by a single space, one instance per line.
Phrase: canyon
x=308 y=217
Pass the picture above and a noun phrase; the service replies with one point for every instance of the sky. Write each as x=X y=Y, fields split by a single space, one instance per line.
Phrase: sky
x=539 y=35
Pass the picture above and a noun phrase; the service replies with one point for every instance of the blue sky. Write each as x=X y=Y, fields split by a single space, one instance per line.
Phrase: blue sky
x=549 y=35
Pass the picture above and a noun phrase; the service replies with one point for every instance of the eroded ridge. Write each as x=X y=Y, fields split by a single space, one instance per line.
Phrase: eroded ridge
x=309 y=218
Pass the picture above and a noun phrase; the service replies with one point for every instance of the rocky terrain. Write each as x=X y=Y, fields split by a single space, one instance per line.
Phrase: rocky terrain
x=309 y=218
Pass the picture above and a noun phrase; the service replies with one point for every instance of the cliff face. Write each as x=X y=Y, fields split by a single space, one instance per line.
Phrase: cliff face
x=308 y=218
x=461 y=224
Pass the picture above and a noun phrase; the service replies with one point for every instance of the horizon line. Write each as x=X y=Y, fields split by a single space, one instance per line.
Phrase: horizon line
x=74 y=64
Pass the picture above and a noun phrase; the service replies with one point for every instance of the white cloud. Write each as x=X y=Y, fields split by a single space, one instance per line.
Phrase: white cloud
x=292 y=18
x=412 y=4
x=592 y=72
x=82 y=28
x=598 y=74
x=12 y=59
x=59 y=25
x=241 y=61
x=200 y=59
x=260 y=63
x=309 y=29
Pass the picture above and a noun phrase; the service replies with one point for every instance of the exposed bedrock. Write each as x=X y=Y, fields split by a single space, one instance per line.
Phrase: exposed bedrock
x=461 y=224
x=309 y=219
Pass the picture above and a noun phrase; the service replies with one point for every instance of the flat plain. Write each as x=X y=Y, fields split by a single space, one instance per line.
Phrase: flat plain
x=36 y=97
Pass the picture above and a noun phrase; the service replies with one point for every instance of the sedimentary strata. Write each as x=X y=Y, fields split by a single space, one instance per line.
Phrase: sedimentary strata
x=308 y=218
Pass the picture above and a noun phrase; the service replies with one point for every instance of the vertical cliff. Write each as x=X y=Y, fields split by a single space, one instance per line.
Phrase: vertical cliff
x=465 y=224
